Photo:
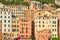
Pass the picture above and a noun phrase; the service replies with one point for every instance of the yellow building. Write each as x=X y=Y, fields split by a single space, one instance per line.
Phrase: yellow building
x=15 y=28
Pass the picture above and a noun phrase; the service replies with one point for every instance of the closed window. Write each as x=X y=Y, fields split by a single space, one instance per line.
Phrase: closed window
x=8 y=21
x=4 y=25
x=8 y=25
x=5 y=21
x=8 y=16
x=54 y=22
x=13 y=30
x=8 y=30
x=5 y=30
x=4 y=16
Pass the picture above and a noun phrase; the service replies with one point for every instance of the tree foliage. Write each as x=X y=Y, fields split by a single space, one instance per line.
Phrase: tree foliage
x=17 y=2
x=46 y=1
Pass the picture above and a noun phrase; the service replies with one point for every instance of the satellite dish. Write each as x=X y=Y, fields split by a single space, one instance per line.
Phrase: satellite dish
x=57 y=2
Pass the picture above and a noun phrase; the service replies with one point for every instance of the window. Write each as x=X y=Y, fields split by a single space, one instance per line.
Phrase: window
x=55 y=25
x=17 y=30
x=53 y=17
x=8 y=25
x=39 y=13
x=24 y=20
x=52 y=25
x=22 y=31
x=26 y=35
x=22 y=35
x=8 y=30
x=43 y=21
x=22 y=28
x=17 y=25
x=4 y=16
x=13 y=30
x=12 y=34
x=53 y=35
x=8 y=13
x=54 y=22
x=5 y=13
x=39 y=21
x=43 y=18
x=8 y=16
x=4 y=25
x=26 y=30
x=43 y=25
x=5 y=30
x=5 y=21
x=55 y=29
x=8 y=21
x=39 y=17
x=4 y=33
x=8 y=38
x=39 y=25
x=52 y=29
x=0 y=16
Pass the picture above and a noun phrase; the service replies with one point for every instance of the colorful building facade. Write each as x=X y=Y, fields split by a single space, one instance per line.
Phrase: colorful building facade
x=25 y=28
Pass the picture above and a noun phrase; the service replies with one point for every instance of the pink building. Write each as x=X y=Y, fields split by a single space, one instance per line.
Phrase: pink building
x=44 y=35
x=25 y=28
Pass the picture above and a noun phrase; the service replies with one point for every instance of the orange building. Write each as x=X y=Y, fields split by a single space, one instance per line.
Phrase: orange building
x=25 y=28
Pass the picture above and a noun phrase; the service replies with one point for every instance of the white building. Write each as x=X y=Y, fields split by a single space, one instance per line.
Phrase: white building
x=44 y=20
x=5 y=16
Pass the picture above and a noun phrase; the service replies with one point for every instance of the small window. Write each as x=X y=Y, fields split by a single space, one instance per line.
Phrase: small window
x=39 y=13
x=26 y=35
x=0 y=16
x=22 y=32
x=8 y=25
x=5 y=13
x=4 y=25
x=39 y=25
x=8 y=30
x=52 y=25
x=43 y=25
x=43 y=21
x=8 y=13
x=8 y=21
x=4 y=16
x=39 y=21
x=5 y=21
x=8 y=16
x=12 y=34
x=52 y=29
x=22 y=35
x=5 y=30
x=54 y=22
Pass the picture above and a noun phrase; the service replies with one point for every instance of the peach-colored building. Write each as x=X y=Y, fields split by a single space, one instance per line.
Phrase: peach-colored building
x=0 y=29
x=44 y=35
x=25 y=28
